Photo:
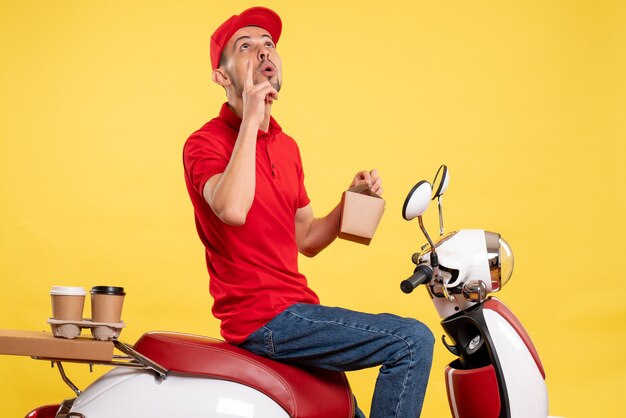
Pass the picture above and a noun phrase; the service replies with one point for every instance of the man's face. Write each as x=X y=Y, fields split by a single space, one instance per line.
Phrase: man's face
x=254 y=44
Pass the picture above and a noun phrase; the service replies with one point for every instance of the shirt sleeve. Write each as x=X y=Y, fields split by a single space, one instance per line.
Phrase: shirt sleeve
x=204 y=156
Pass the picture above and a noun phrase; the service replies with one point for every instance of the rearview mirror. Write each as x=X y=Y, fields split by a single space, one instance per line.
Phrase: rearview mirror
x=442 y=179
x=417 y=200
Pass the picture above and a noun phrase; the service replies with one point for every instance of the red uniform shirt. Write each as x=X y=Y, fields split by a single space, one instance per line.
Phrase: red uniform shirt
x=253 y=268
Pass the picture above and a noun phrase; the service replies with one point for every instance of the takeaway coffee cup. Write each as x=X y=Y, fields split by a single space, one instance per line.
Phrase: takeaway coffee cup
x=106 y=303
x=67 y=303
x=106 y=306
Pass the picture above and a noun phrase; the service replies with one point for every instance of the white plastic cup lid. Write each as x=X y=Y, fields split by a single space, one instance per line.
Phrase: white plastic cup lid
x=67 y=291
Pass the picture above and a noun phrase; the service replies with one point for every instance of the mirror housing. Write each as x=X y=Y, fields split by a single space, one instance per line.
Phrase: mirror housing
x=417 y=200
x=441 y=181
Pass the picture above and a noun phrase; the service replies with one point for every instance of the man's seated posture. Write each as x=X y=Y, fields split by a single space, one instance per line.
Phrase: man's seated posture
x=246 y=182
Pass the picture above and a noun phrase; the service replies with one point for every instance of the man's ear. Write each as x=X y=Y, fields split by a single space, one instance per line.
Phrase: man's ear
x=220 y=77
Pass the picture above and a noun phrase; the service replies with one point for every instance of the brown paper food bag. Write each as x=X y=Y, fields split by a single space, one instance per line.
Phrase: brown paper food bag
x=361 y=211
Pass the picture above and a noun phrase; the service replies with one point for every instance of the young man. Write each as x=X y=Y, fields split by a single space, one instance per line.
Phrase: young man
x=246 y=182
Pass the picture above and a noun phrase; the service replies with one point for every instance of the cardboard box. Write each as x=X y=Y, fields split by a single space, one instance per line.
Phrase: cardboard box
x=44 y=344
x=361 y=211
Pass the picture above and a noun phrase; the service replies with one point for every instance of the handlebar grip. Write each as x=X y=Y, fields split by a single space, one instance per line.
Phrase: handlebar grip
x=422 y=274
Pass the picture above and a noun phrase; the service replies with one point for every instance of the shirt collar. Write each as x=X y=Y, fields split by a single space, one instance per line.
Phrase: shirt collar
x=233 y=121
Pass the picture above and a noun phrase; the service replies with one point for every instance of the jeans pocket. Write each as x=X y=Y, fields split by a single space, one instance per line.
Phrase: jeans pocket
x=268 y=337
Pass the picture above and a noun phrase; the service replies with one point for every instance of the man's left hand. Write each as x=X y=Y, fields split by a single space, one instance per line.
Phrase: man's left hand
x=371 y=178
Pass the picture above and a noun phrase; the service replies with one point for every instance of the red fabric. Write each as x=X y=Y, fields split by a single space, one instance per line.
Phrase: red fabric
x=302 y=392
x=254 y=16
x=253 y=268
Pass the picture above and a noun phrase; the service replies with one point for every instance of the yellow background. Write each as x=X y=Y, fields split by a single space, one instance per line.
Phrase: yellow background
x=523 y=100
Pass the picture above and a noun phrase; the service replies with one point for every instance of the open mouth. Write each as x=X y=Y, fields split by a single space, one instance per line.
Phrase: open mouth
x=267 y=69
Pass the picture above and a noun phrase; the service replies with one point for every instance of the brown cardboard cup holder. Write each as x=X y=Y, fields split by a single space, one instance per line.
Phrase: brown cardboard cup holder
x=361 y=212
x=102 y=331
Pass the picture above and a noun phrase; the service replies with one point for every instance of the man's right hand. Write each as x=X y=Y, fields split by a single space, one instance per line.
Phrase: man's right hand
x=257 y=98
x=231 y=193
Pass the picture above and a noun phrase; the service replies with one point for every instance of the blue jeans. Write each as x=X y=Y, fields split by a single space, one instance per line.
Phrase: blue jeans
x=340 y=339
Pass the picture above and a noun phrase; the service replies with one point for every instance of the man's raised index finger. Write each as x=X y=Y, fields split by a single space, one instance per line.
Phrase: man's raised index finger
x=249 y=81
